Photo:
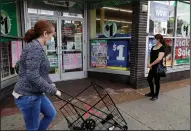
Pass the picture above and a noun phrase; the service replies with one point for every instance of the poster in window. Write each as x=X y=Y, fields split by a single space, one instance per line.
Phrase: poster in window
x=159 y=11
x=16 y=49
x=182 y=51
x=72 y=61
x=185 y=29
x=9 y=18
x=70 y=45
x=78 y=41
x=160 y=27
x=53 y=59
x=117 y=54
x=99 y=53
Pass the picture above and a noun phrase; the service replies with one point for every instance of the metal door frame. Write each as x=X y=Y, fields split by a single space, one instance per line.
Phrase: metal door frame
x=59 y=41
x=83 y=73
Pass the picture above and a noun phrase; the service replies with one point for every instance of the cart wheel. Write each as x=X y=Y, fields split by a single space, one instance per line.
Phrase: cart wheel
x=125 y=128
x=88 y=124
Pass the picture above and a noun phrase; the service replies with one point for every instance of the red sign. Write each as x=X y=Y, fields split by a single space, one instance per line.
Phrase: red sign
x=182 y=48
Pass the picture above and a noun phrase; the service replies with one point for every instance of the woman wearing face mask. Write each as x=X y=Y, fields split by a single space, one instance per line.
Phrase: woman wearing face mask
x=34 y=82
x=156 y=57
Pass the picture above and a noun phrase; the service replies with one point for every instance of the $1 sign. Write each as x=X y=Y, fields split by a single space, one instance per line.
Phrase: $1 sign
x=120 y=48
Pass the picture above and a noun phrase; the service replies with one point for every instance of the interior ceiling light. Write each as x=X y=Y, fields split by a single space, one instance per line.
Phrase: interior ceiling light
x=125 y=26
x=116 y=21
x=118 y=9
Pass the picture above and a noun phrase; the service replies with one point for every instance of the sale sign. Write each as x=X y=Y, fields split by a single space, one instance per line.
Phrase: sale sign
x=182 y=52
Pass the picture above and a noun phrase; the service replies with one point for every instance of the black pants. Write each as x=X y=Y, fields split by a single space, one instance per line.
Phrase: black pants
x=153 y=75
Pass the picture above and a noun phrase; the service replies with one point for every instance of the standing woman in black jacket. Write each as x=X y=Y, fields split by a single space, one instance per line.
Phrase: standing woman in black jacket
x=156 y=57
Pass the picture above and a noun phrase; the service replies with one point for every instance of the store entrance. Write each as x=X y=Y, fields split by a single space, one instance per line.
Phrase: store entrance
x=71 y=48
x=65 y=53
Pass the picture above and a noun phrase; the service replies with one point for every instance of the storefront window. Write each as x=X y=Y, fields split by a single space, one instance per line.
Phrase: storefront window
x=168 y=46
x=10 y=43
x=183 y=19
x=110 y=33
x=105 y=20
x=110 y=54
x=10 y=50
x=161 y=17
x=163 y=13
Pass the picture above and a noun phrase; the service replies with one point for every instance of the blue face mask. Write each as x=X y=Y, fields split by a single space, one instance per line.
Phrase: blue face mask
x=49 y=42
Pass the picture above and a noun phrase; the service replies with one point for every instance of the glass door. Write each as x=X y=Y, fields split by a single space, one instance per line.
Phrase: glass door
x=51 y=49
x=72 y=62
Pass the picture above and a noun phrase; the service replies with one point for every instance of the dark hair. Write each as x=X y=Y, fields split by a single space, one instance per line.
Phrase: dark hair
x=160 y=38
x=39 y=28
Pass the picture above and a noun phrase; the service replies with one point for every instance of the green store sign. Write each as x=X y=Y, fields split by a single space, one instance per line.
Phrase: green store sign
x=8 y=19
x=182 y=61
x=5 y=23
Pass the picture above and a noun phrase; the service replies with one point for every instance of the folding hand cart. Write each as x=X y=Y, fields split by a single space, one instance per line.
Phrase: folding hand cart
x=94 y=112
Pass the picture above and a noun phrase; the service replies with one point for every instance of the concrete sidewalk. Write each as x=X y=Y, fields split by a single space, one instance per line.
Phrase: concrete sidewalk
x=170 y=112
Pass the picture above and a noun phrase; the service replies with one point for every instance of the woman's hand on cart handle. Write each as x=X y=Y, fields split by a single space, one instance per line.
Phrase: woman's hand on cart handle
x=58 y=93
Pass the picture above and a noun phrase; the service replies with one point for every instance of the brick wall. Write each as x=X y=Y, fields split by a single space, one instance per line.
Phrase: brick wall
x=138 y=44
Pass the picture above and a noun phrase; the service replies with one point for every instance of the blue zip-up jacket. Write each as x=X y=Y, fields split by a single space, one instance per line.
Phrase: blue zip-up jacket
x=33 y=71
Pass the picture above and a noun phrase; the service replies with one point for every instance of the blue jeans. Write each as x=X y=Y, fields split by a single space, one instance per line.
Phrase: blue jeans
x=31 y=107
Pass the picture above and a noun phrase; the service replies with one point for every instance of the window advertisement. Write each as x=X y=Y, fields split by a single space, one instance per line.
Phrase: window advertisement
x=117 y=54
x=9 y=19
x=110 y=54
x=16 y=49
x=183 y=19
x=161 y=17
x=98 y=53
x=182 y=51
x=10 y=50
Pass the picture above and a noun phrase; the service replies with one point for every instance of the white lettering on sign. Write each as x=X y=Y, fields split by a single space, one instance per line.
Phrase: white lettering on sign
x=182 y=43
x=109 y=29
x=162 y=13
x=183 y=52
x=183 y=47
x=120 y=48
x=150 y=45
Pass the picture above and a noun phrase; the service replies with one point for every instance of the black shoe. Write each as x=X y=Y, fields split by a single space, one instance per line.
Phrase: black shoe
x=154 y=98
x=148 y=94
